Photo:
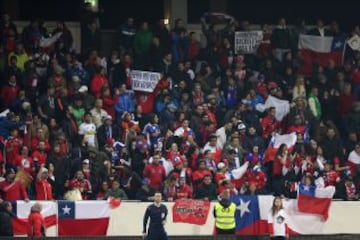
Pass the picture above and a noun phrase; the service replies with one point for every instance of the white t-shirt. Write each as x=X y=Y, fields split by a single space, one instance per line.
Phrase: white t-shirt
x=278 y=222
x=89 y=132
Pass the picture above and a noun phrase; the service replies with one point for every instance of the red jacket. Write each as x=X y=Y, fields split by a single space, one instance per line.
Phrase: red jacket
x=35 y=142
x=13 y=191
x=183 y=192
x=8 y=94
x=108 y=105
x=156 y=174
x=43 y=190
x=256 y=177
x=39 y=157
x=269 y=125
x=36 y=224
x=98 y=82
x=12 y=150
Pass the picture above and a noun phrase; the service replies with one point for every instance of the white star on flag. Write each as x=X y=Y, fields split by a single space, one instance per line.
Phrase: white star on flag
x=66 y=210
x=243 y=207
x=306 y=188
x=338 y=44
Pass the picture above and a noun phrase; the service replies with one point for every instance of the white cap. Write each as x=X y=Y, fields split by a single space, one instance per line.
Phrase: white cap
x=108 y=117
x=83 y=89
x=75 y=78
x=86 y=161
x=241 y=126
x=221 y=165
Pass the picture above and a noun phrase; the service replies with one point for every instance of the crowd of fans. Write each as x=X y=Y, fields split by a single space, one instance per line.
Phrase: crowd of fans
x=72 y=122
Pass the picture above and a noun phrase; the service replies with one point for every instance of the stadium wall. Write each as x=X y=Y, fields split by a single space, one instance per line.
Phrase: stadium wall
x=126 y=220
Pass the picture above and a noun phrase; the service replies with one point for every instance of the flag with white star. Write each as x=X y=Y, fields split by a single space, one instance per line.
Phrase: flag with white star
x=247 y=214
x=83 y=218
x=320 y=50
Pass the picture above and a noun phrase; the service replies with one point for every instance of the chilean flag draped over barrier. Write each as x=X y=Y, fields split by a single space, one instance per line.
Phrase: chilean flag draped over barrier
x=83 y=218
x=21 y=211
x=252 y=214
x=314 y=199
x=320 y=50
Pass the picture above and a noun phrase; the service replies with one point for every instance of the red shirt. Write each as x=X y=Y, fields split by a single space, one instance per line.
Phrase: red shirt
x=156 y=173
x=35 y=142
x=84 y=186
x=43 y=190
x=219 y=177
x=11 y=155
x=35 y=224
x=13 y=191
x=108 y=105
x=25 y=163
x=183 y=192
x=256 y=177
x=39 y=157
x=355 y=76
x=198 y=176
x=97 y=83
x=269 y=125
x=171 y=156
x=8 y=94
x=278 y=166
x=146 y=101
x=330 y=178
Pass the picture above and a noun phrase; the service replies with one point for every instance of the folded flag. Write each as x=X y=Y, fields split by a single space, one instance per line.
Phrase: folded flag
x=21 y=211
x=320 y=50
x=315 y=200
x=83 y=218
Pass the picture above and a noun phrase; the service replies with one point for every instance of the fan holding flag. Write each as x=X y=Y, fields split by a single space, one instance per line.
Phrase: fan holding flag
x=315 y=199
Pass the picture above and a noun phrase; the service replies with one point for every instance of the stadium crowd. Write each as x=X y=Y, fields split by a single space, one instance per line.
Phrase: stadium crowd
x=71 y=121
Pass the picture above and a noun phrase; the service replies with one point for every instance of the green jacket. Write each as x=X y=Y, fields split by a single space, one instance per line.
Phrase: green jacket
x=116 y=193
x=314 y=105
x=142 y=42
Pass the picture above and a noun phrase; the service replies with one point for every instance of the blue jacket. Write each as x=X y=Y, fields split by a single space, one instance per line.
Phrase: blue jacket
x=126 y=103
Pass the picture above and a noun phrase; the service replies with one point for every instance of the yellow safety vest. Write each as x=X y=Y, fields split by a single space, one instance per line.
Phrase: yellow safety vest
x=225 y=217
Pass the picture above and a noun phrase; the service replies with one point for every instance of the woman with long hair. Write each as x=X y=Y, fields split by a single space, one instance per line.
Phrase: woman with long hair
x=277 y=219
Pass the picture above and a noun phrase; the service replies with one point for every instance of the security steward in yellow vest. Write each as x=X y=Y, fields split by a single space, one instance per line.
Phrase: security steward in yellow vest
x=224 y=214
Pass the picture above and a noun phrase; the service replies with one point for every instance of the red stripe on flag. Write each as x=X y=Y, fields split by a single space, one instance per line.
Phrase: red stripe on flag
x=260 y=227
x=314 y=205
x=310 y=58
x=83 y=227
x=20 y=225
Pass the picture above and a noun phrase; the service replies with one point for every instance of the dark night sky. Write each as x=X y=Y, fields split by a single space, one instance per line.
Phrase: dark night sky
x=256 y=11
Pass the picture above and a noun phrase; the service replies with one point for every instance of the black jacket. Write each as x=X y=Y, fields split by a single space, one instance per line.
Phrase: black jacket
x=5 y=221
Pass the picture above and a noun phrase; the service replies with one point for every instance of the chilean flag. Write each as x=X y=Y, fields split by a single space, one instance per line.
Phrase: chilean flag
x=276 y=141
x=315 y=200
x=320 y=50
x=252 y=214
x=83 y=218
x=21 y=211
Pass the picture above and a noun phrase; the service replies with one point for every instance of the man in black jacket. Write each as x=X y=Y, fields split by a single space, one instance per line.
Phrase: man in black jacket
x=5 y=220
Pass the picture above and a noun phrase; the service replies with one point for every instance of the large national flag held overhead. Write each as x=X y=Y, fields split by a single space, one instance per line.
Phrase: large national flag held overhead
x=320 y=50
